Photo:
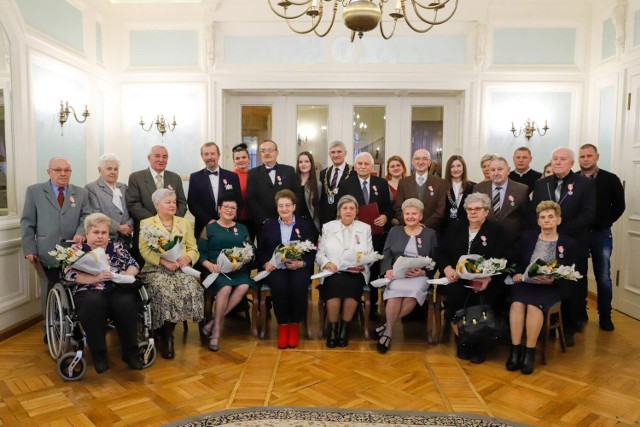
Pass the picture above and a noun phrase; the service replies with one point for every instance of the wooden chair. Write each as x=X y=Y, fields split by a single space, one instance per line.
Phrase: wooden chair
x=552 y=321
x=259 y=313
x=364 y=309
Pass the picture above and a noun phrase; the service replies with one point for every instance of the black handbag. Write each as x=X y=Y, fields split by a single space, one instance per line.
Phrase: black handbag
x=476 y=324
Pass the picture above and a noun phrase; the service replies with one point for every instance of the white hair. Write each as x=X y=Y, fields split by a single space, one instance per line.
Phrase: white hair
x=161 y=194
x=108 y=157
x=364 y=154
x=569 y=150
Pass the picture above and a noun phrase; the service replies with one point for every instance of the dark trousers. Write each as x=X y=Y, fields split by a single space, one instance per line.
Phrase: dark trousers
x=94 y=307
x=374 y=269
x=289 y=294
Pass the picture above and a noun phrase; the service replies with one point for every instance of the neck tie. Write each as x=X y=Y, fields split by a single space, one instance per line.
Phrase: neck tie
x=334 y=178
x=420 y=180
x=496 y=200
x=159 y=183
x=212 y=172
x=60 y=196
x=558 y=190
x=420 y=187
x=365 y=192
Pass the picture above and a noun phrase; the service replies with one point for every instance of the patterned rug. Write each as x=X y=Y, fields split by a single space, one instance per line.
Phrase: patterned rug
x=320 y=417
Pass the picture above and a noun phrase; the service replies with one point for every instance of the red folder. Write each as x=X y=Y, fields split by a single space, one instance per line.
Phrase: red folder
x=368 y=214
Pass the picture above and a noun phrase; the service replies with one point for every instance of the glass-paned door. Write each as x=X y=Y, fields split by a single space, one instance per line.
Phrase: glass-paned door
x=369 y=133
x=426 y=133
x=311 y=131
x=256 y=127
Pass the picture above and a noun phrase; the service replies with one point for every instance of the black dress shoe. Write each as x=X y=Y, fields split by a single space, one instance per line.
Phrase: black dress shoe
x=332 y=335
x=133 y=361
x=605 y=323
x=379 y=331
x=383 y=345
x=343 y=334
x=528 y=360
x=478 y=353
x=515 y=358
x=100 y=363
x=569 y=340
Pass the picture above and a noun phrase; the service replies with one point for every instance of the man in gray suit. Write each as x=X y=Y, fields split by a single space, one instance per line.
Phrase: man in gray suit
x=143 y=183
x=107 y=195
x=54 y=212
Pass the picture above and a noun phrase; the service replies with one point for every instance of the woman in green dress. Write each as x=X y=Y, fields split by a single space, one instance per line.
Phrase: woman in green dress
x=229 y=288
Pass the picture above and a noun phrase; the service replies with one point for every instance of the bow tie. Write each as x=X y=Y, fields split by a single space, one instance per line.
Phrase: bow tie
x=269 y=169
x=212 y=172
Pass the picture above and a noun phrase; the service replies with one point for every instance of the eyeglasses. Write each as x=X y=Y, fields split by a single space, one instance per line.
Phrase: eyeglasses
x=421 y=159
x=287 y=206
x=471 y=210
x=267 y=150
x=60 y=170
x=229 y=208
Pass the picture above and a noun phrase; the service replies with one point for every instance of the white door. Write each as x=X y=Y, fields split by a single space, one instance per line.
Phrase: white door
x=627 y=285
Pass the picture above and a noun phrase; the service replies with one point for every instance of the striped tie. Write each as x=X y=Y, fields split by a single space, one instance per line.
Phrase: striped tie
x=496 y=200
x=159 y=183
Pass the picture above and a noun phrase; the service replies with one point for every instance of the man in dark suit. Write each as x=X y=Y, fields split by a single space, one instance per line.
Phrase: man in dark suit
x=208 y=185
x=522 y=172
x=143 y=183
x=330 y=179
x=577 y=199
x=510 y=201
x=264 y=181
x=369 y=189
x=54 y=212
x=610 y=206
x=429 y=189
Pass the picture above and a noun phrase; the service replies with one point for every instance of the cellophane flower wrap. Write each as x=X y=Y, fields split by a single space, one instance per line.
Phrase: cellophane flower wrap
x=402 y=265
x=230 y=260
x=292 y=251
x=169 y=248
x=471 y=267
x=543 y=268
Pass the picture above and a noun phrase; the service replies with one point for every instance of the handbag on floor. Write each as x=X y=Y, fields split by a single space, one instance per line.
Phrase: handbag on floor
x=477 y=323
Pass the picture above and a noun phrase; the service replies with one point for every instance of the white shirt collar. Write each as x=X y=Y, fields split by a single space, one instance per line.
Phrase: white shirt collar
x=154 y=173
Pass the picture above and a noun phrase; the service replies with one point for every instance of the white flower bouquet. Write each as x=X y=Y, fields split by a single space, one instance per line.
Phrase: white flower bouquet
x=230 y=260
x=65 y=257
x=402 y=265
x=93 y=262
x=542 y=268
x=471 y=267
x=161 y=242
x=351 y=259
x=292 y=251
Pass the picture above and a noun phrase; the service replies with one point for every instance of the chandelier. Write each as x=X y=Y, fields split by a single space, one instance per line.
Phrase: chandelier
x=361 y=16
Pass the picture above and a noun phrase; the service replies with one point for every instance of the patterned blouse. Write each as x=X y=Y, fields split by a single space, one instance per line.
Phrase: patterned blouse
x=119 y=260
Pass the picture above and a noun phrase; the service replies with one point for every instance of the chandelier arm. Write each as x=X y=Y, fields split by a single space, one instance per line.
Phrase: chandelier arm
x=440 y=5
x=287 y=17
x=142 y=125
x=416 y=29
x=313 y=27
x=333 y=20
x=393 y=30
x=435 y=20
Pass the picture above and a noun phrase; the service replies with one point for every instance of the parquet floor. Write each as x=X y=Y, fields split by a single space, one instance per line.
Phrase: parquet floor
x=596 y=383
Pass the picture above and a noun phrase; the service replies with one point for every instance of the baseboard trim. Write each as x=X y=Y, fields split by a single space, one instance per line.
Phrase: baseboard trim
x=20 y=327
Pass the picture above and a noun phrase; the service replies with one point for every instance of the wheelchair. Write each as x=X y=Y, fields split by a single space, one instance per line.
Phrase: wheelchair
x=67 y=340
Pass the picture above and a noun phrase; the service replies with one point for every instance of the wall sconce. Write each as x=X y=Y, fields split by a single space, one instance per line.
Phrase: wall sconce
x=161 y=124
x=377 y=156
x=66 y=109
x=528 y=128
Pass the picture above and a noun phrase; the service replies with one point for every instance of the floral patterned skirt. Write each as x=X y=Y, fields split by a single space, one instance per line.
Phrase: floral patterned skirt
x=175 y=296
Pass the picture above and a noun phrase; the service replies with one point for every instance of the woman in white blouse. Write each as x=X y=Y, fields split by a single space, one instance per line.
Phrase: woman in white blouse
x=342 y=291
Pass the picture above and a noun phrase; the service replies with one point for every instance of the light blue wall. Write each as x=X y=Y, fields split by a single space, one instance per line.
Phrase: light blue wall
x=168 y=48
x=48 y=87
x=99 y=42
x=55 y=18
x=553 y=106
x=531 y=46
x=606 y=129
x=608 y=39
x=294 y=49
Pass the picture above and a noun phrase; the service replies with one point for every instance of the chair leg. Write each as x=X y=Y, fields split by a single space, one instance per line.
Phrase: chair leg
x=322 y=315
x=309 y=316
x=263 y=313
x=367 y=310
x=560 y=328
x=254 y=312
x=546 y=328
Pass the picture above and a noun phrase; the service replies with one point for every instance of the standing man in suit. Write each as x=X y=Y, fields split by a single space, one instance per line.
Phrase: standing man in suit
x=54 y=212
x=143 y=183
x=610 y=206
x=264 y=181
x=369 y=189
x=330 y=179
x=429 y=189
x=107 y=195
x=523 y=173
x=208 y=185
x=576 y=196
x=509 y=201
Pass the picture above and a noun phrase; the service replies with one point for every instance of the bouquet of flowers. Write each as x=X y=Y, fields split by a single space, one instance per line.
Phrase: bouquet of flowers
x=472 y=267
x=168 y=248
x=292 y=251
x=351 y=259
x=65 y=257
x=542 y=268
x=230 y=260
x=404 y=264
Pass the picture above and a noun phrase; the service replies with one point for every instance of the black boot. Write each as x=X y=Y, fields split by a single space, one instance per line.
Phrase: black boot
x=168 y=352
x=478 y=353
x=528 y=360
x=343 y=335
x=462 y=349
x=100 y=361
x=515 y=358
x=332 y=335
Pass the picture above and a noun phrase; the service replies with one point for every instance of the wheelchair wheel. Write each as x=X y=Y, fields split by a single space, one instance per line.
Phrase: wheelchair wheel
x=150 y=357
x=65 y=369
x=57 y=321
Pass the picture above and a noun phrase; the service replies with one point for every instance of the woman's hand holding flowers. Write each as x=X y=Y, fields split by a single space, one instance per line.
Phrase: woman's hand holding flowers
x=331 y=267
x=389 y=274
x=451 y=274
x=416 y=272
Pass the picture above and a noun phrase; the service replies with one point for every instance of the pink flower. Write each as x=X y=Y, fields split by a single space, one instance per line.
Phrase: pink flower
x=511 y=199
x=224 y=181
x=357 y=239
x=561 y=249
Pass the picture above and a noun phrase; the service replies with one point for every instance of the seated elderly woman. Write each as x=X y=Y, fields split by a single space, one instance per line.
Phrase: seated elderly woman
x=288 y=285
x=342 y=291
x=107 y=195
x=97 y=298
x=175 y=295
x=401 y=295
x=229 y=288
x=531 y=300
x=477 y=236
